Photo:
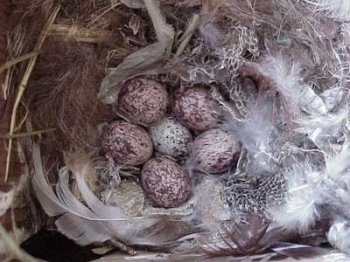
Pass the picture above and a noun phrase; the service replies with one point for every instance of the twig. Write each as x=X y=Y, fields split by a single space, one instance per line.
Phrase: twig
x=23 y=84
x=33 y=133
x=16 y=251
x=17 y=60
x=188 y=34
x=116 y=243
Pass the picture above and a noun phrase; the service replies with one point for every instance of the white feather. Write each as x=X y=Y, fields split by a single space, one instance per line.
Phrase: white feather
x=95 y=222
x=310 y=188
x=257 y=133
x=335 y=187
x=337 y=9
x=285 y=75
x=6 y=199
x=339 y=235
x=322 y=128
x=337 y=167
x=209 y=203
x=299 y=212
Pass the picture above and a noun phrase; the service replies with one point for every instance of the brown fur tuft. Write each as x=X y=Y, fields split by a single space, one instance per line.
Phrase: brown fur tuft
x=62 y=94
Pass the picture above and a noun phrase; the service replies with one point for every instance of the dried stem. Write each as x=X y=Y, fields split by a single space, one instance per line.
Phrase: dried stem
x=122 y=247
x=80 y=34
x=185 y=39
x=17 y=60
x=33 y=133
x=23 y=84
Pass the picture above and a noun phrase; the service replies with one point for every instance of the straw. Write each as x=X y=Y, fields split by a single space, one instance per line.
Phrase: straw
x=23 y=84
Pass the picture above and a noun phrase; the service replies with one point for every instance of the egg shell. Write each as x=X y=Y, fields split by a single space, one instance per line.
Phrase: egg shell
x=165 y=182
x=196 y=109
x=143 y=100
x=171 y=138
x=215 y=151
x=129 y=196
x=127 y=143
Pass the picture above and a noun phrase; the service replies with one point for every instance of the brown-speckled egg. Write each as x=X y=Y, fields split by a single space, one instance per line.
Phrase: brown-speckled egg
x=127 y=143
x=171 y=138
x=196 y=109
x=165 y=182
x=144 y=101
x=215 y=151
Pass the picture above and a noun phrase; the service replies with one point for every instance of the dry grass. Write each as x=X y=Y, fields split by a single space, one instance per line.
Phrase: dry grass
x=23 y=84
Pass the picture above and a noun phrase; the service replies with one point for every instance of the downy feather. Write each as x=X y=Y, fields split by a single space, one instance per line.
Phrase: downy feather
x=339 y=235
x=309 y=188
x=337 y=9
x=322 y=128
x=257 y=133
x=299 y=212
x=335 y=187
x=285 y=75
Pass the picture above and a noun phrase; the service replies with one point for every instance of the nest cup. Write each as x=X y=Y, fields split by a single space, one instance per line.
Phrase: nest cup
x=255 y=72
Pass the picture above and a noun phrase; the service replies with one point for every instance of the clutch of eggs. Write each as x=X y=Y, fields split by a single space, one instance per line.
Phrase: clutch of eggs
x=165 y=182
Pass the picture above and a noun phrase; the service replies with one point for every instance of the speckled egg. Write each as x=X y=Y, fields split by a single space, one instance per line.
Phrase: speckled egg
x=127 y=143
x=165 y=182
x=171 y=138
x=143 y=101
x=196 y=109
x=215 y=151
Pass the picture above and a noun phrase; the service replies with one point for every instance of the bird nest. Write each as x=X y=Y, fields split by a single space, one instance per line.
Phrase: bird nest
x=256 y=91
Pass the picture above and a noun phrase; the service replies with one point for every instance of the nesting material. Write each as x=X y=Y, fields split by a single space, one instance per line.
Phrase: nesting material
x=245 y=103
x=165 y=182
x=128 y=195
x=127 y=143
x=3 y=40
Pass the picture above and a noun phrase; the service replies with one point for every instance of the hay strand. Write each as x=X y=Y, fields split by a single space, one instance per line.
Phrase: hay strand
x=17 y=60
x=23 y=84
x=33 y=133
x=90 y=35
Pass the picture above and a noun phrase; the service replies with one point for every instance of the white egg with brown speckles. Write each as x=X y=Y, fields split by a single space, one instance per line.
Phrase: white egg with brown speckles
x=143 y=101
x=165 y=182
x=215 y=151
x=171 y=138
x=127 y=143
x=196 y=109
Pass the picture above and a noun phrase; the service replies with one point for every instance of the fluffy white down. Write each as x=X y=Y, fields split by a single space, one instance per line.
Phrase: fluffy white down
x=286 y=76
x=339 y=235
x=300 y=210
x=337 y=9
